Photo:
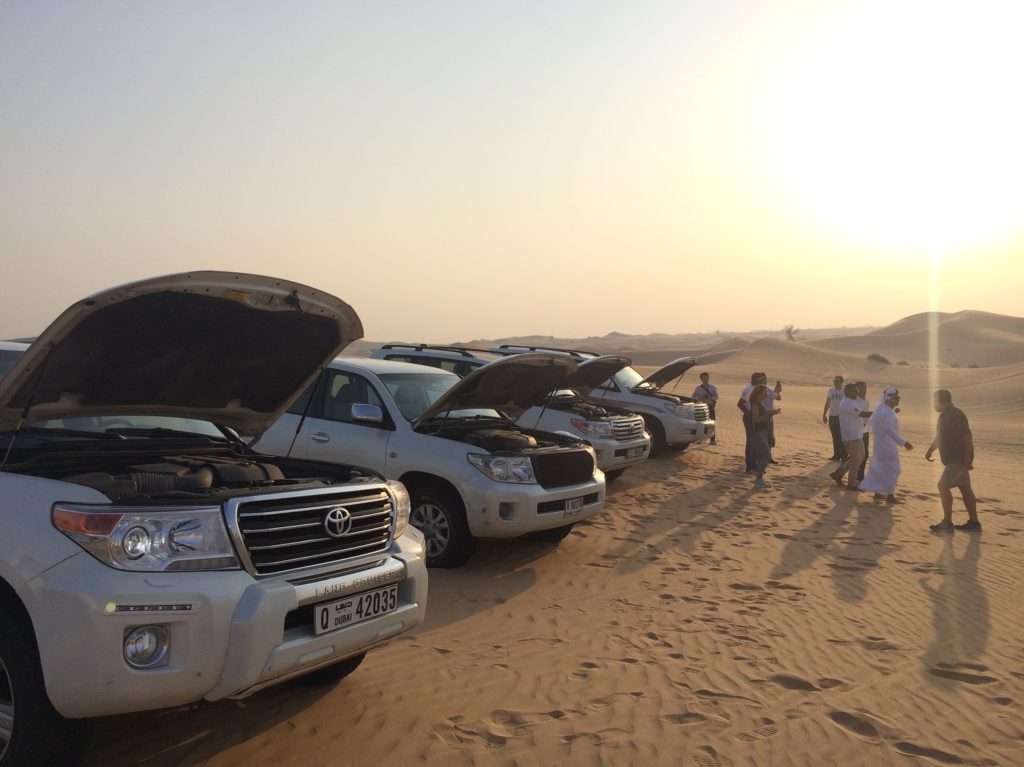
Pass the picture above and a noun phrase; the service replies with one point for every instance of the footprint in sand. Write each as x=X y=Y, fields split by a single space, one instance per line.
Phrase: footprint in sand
x=791 y=682
x=706 y=756
x=857 y=724
x=946 y=672
x=685 y=717
x=911 y=749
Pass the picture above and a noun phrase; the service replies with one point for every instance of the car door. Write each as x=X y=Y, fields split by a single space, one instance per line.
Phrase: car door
x=330 y=434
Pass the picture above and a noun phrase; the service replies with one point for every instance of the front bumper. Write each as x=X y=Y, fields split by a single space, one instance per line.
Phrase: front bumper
x=507 y=510
x=682 y=431
x=230 y=635
x=612 y=454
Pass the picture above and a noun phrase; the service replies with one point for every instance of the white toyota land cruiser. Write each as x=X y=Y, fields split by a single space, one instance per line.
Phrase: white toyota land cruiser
x=149 y=558
x=471 y=470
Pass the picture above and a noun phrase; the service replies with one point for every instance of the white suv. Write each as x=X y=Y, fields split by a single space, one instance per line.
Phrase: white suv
x=617 y=436
x=148 y=557
x=471 y=470
x=672 y=420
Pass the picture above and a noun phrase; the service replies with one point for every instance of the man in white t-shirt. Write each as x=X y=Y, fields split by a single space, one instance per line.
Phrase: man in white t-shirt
x=830 y=416
x=851 y=424
x=707 y=393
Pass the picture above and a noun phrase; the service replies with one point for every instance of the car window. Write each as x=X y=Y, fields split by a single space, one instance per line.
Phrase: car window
x=7 y=359
x=344 y=390
x=415 y=392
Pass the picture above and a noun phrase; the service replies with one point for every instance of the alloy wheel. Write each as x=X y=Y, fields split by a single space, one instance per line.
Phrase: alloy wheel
x=431 y=520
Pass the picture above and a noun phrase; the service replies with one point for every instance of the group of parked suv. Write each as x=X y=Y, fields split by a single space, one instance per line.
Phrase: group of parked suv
x=672 y=420
x=199 y=498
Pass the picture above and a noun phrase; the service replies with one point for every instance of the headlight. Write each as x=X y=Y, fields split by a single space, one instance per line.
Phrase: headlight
x=504 y=468
x=149 y=539
x=682 y=410
x=400 y=497
x=593 y=428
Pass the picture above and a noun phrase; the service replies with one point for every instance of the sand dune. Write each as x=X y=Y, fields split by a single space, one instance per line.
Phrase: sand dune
x=964 y=338
x=697 y=622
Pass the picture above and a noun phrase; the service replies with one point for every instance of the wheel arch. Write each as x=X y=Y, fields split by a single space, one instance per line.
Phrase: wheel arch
x=422 y=480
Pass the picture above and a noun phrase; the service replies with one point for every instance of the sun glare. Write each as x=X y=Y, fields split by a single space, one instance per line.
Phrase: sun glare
x=900 y=123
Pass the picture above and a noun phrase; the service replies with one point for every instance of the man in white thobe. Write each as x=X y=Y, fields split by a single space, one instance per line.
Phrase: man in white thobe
x=884 y=469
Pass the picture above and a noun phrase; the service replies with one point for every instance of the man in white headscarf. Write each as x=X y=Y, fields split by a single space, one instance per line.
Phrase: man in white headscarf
x=884 y=469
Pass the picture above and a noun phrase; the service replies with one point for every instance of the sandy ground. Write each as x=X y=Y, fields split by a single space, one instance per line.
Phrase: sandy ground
x=697 y=622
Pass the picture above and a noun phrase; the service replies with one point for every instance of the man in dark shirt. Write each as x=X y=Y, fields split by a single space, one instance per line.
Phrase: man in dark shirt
x=956 y=450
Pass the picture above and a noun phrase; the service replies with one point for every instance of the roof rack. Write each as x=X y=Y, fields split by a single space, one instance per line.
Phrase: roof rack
x=465 y=351
x=517 y=348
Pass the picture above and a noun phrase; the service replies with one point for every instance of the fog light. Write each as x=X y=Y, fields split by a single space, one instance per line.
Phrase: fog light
x=507 y=511
x=146 y=647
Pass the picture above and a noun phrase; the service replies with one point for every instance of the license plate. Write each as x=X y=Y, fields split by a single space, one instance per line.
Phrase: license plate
x=332 y=616
x=634 y=452
x=573 y=506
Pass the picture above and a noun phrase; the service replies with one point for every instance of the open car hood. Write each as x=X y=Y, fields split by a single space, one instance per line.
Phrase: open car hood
x=595 y=372
x=231 y=348
x=669 y=372
x=511 y=385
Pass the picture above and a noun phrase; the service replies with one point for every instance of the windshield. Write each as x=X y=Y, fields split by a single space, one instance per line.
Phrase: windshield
x=415 y=392
x=133 y=425
x=628 y=378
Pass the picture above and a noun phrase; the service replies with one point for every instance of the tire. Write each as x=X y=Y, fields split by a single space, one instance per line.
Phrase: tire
x=439 y=514
x=31 y=731
x=613 y=474
x=329 y=675
x=657 y=432
x=554 y=535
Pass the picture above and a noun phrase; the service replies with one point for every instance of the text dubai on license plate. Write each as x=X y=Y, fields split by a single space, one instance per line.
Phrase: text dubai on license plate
x=332 y=616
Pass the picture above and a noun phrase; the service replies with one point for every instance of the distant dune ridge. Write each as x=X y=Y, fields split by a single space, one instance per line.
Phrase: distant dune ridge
x=966 y=338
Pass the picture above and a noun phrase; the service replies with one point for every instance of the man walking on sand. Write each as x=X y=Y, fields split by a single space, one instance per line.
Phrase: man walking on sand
x=708 y=394
x=830 y=415
x=851 y=422
x=884 y=469
x=862 y=402
x=956 y=450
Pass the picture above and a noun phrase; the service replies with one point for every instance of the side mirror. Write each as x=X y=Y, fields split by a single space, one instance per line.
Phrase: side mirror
x=362 y=413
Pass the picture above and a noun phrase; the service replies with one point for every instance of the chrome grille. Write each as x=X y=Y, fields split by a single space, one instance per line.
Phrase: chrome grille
x=288 y=533
x=701 y=412
x=627 y=428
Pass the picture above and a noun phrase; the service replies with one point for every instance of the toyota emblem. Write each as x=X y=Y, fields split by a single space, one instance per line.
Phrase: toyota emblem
x=338 y=522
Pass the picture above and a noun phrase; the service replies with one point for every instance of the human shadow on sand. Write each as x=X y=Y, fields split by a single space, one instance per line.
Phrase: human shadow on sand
x=960 y=614
x=862 y=550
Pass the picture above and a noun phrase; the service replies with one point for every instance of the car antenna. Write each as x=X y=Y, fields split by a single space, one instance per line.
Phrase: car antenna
x=28 y=405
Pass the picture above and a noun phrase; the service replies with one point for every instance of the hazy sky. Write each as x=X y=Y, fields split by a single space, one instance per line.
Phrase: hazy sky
x=482 y=169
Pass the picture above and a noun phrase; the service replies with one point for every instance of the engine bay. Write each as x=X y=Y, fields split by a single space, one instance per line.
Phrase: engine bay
x=139 y=478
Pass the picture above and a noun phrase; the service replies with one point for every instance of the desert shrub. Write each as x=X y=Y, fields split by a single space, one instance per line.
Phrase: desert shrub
x=878 y=358
x=974 y=365
x=902 y=362
x=954 y=364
